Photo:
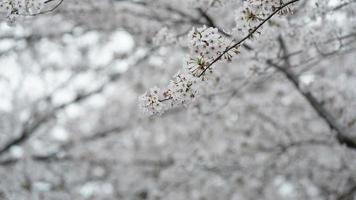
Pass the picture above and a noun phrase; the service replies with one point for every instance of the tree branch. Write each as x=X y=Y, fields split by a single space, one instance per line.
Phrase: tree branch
x=349 y=195
x=32 y=126
x=341 y=134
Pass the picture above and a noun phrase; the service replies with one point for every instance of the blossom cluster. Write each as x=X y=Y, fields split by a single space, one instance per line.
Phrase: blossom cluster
x=205 y=45
x=14 y=8
x=181 y=90
x=253 y=12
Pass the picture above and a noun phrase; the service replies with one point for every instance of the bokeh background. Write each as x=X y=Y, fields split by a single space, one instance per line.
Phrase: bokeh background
x=70 y=126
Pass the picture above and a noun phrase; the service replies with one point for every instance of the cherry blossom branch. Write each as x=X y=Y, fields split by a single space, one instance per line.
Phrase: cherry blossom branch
x=246 y=37
x=182 y=89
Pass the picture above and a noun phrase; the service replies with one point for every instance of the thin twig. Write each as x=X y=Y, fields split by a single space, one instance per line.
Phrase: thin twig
x=246 y=37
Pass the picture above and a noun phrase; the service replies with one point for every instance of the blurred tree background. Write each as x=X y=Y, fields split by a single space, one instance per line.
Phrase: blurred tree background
x=279 y=122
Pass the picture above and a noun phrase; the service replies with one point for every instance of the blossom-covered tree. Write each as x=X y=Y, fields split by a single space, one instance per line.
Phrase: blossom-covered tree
x=168 y=99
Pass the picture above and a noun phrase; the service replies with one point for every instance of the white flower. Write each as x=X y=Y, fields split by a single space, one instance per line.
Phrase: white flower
x=6 y=6
x=247 y=19
x=15 y=8
x=183 y=89
x=151 y=102
x=206 y=43
x=35 y=6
